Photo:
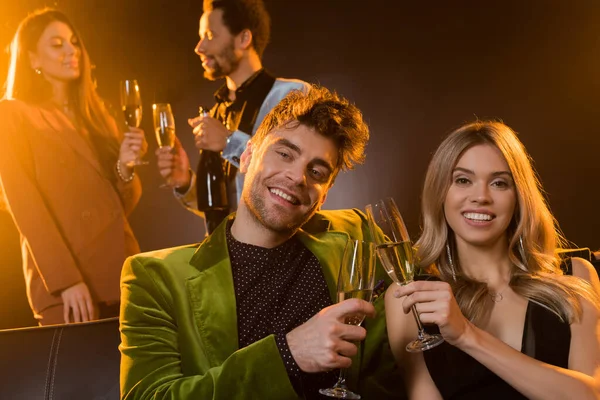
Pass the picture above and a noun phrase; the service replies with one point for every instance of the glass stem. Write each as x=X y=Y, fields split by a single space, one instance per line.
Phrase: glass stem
x=341 y=383
x=418 y=321
x=415 y=314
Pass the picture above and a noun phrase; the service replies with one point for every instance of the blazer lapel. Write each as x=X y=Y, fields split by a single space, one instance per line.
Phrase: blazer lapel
x=328 y=248
x=212 y=297
x=211 y=292
x=66 y=131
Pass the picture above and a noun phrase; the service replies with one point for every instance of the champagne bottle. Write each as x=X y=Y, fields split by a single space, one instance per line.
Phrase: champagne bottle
x=211 y=186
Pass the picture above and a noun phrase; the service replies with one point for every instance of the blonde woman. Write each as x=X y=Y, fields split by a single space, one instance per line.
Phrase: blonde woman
x=515 y=326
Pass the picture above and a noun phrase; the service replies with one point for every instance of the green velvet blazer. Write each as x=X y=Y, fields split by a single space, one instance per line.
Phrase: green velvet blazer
x=179 y=323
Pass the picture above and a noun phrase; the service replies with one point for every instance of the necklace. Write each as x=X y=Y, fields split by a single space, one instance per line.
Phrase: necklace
x=496 y=297
x=65 y=106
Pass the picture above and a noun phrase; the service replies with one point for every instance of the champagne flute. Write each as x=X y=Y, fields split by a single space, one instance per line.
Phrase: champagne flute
x=164 y=128
x=131 y=104
x=355 y=280
x=397 y=256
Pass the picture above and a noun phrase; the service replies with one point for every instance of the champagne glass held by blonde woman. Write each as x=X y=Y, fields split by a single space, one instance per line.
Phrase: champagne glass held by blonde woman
x=66 y=174
x=515 y=324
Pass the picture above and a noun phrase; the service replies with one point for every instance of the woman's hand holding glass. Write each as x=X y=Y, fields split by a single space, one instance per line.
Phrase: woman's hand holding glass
x=435 y=304
x=131 y=104
x=133 y=147
x=397 y=256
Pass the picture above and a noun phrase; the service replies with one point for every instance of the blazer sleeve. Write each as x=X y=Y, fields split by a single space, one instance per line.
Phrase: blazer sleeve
x=34 y=220
x=189 y=199
x=129 y=192
x=151 y=352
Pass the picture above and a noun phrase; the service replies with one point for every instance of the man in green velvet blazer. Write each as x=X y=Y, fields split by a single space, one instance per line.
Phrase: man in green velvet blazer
x=179 y=326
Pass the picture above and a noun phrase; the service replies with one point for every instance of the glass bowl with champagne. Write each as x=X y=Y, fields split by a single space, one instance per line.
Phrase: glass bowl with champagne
x=396 y=253
x=355 y=281
x=164 y=129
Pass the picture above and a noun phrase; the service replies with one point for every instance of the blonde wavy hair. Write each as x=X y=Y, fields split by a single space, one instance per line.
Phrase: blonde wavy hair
x=536 y=274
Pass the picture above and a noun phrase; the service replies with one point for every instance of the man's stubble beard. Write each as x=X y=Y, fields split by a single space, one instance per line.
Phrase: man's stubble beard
x=258 y=210
x=220 y=71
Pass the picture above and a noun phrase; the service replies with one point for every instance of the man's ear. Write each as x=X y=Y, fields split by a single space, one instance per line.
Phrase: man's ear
x=246 y=158
x=244 y=39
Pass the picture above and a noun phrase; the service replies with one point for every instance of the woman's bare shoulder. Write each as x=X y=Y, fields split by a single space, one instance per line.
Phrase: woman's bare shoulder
x=584 y=269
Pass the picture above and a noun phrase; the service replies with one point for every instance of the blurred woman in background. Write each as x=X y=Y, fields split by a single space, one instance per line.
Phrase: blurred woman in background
x=67 y=175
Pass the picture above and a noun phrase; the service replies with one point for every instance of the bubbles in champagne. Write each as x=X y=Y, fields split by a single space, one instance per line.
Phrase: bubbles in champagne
x=398 y=261
x=363 y=294
x=165 y=136
x=133 y=115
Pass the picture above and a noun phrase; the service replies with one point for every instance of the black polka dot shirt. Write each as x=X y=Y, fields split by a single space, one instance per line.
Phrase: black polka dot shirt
x=277 y=290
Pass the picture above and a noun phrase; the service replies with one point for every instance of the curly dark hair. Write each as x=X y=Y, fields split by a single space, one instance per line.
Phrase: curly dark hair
x=245 y=14
x=328 y=114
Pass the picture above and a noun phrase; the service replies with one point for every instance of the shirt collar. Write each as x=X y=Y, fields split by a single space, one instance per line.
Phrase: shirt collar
x=222 y=94
x=286 y=246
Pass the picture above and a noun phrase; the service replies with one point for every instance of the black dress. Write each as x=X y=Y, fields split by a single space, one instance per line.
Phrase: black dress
x=459 y=376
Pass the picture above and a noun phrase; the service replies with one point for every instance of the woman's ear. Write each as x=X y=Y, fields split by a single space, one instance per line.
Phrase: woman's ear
x=246 y=158
x=33 y=60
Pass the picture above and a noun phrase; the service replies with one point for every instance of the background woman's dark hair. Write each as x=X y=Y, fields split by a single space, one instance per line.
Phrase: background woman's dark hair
x=24 y=84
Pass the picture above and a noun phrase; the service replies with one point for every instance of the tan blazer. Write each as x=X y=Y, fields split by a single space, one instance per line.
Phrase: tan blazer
x=71 y=214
